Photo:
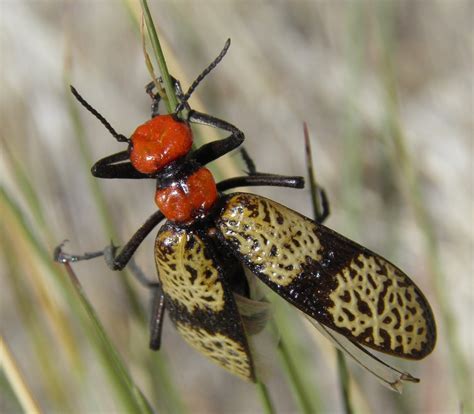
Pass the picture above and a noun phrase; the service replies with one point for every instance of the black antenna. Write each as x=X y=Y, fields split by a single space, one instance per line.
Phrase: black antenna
x=204 y=73
x=103 y=121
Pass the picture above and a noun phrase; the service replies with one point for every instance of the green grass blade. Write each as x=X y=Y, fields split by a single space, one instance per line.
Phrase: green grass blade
x=127 y=392
x=265 y=398
x=130 y=394
x=343 y=372
x=24 y=295
x=171 y=102
x=304 y=401
x=403 y=163
x=99 y=199
x=344 y=381
x=24 y=184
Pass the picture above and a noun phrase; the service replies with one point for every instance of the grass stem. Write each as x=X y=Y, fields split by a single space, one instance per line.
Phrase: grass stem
x=17 y=380
x=404 y=164
x=317 y=211
x=171 y=102
x=265 y=398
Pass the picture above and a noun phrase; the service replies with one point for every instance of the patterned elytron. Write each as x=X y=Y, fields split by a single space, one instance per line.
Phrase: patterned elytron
x=197 y=288
x=271 y=237
x=186 y=274
x=331 y=279
x=373 y=296
x=221 y=349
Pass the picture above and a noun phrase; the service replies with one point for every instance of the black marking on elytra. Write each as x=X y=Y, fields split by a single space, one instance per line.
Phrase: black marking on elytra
x=310 y=290
x=227 y=321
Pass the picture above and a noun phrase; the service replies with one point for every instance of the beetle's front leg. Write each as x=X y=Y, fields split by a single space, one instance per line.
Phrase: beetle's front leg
x=115 y=262
x=116 y=166
x=156 y=97
x=213 y=150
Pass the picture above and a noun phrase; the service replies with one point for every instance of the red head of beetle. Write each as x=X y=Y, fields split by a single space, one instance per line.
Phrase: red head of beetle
x=158 y=142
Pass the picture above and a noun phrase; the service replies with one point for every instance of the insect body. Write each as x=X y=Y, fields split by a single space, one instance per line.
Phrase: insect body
x=209 y=238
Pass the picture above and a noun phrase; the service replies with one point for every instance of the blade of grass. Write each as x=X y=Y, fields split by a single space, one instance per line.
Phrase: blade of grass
x=131 y=395
x=352 y=138
x=17 y=380
x=61 y=326
x=265 y=398
x=126 y=391
x=305 y=402
x=344 y=381
x=403 y=162
x=24 y=184
x=11 y=211
x=344 y=377
x=171 y=102
x=155 y=367
x=157 y=363
x=99 y=199
x=222 y=167
x=308 y=401
x=148 y=64
x=24 y=295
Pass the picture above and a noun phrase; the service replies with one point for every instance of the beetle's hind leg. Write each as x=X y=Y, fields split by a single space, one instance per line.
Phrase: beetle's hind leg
x=156 y=317
x=157 y=297
x=324 y=203
x=252 y=169
x=157 y=303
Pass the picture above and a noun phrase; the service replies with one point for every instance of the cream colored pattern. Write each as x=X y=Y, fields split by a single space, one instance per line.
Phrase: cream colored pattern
x=274 y=238
x=222 y=350
x=176 y=264
x=407 y=334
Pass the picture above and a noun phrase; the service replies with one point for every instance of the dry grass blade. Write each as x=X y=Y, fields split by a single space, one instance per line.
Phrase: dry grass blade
x=17 y=380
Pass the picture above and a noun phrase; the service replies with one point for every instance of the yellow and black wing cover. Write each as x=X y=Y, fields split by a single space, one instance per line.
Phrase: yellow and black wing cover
x=198 y=299
x=328 y=277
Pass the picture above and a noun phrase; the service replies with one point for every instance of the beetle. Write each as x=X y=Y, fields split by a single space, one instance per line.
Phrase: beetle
x=357 y=298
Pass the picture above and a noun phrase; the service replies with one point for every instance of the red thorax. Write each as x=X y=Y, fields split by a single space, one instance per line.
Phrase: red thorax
x=184 y=201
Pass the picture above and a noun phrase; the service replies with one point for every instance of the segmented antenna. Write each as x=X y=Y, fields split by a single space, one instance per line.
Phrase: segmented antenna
x=204 y=73
x=103 y=121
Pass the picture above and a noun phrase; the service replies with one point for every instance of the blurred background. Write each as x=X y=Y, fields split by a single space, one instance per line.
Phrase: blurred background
x=387 y=91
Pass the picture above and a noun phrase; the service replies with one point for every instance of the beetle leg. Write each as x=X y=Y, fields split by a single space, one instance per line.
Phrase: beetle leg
x=157 y=304
x=156 y=320
x=325 y=210
x=213 y=150
x=111 y=167
x=261 y=180
x=115 y=262
x=120 y=261
x=62 y=257
x=156 y=98
x=250 y=164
